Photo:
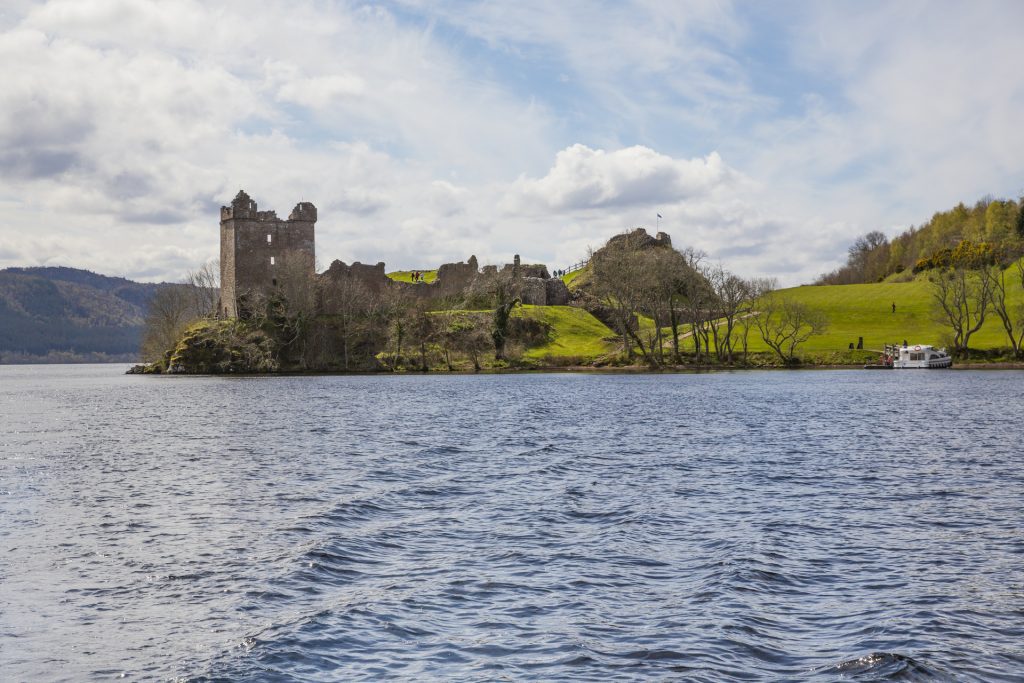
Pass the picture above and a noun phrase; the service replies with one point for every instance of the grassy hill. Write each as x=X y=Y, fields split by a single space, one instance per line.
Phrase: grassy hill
x=852 y=311
x=577 y=336
x=866 y=311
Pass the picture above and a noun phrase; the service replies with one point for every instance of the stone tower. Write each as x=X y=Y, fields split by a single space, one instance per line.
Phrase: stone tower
x=258 y=249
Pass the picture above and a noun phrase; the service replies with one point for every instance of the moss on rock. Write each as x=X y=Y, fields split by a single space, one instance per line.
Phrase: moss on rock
x=214 y=347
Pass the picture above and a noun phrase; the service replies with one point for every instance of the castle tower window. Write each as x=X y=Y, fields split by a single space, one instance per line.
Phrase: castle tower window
x=271 y=260
x=268 y=238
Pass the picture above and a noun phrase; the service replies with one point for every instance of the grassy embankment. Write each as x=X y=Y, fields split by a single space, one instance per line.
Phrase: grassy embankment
x=406 y=275
x=569 y=277
x=577 y=336
x=866 y=311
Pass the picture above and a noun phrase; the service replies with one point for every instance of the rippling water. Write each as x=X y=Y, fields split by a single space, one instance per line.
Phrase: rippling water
x=839 y=525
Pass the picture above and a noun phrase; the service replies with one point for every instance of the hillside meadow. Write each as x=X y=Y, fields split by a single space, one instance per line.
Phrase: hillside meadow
x=852 y=311
x=866 y=311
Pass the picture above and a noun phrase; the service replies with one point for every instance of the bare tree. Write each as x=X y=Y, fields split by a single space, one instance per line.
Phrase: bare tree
x=422 y=330
x=615 y=276
x=395 y=305
x=688 y=274
x=205 y=284
x=758 y=289
x=784 y=324
x=663 y=274
x=962 y=298
x=1012 y=316
x=698 y=302
x=732 y=293
x=352 y=308
x=443 y=323
x=170 y=312
x=468 y=335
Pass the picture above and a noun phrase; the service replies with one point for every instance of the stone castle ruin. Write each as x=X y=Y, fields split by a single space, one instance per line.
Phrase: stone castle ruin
x=258 y=251
x=257 y=246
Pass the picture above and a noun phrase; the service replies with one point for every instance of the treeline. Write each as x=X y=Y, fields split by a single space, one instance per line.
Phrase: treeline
x=992 y=229
x=672 y=307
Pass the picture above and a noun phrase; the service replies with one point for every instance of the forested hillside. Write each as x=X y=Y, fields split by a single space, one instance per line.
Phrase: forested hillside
x=992 y=230
x=67 y=315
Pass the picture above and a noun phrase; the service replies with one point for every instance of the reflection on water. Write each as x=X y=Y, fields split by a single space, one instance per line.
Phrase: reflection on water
x=802 y=525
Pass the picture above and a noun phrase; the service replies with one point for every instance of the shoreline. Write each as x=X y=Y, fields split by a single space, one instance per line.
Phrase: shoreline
x=573 y=369
x=548 y=369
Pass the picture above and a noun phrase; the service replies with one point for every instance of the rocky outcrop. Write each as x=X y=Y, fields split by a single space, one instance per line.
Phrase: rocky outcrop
x=222 y=347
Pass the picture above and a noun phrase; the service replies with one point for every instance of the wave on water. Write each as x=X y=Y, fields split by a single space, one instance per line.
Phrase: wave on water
x=885 y=666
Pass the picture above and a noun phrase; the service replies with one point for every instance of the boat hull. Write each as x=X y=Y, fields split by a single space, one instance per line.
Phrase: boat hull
x=933 y=364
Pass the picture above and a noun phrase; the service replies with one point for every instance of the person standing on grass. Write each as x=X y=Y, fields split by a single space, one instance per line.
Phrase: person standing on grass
x=893 y=306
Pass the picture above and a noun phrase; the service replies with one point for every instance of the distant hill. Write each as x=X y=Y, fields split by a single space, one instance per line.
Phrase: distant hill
x=70 y=315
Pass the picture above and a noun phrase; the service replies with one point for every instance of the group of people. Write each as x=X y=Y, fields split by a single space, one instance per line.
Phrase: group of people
x=417 y=276
x=559 y=273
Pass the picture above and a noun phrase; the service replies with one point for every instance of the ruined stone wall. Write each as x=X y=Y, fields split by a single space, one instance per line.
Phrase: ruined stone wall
x=373 y=278
x=557 y=292
x=639 y=239
x=528 y=270
x=533 y=291
x=258 y=249
x=453 y=278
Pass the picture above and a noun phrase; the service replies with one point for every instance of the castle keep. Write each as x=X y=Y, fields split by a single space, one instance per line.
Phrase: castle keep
x=257 y=249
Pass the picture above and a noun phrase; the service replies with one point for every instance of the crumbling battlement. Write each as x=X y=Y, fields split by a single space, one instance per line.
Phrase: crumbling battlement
x=373 y=278
x=453 y=278
x=639 y=239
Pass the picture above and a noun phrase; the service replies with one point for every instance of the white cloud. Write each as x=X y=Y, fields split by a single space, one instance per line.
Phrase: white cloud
x=583 y=178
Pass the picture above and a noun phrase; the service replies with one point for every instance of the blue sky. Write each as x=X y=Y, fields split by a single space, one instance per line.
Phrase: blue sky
x=768 y=135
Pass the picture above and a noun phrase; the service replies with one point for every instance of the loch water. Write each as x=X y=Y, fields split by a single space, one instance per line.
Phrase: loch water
x=777 y=525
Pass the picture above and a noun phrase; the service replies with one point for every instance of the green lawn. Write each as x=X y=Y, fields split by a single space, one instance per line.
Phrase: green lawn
x=569 y=277
x=866 y=311
x=576 y=333
x=406 y=275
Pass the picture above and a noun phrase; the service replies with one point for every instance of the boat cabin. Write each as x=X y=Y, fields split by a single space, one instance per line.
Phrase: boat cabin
x=921 y=356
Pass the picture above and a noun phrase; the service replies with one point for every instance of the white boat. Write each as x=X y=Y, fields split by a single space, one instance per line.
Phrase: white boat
x=921 y=356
